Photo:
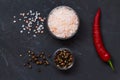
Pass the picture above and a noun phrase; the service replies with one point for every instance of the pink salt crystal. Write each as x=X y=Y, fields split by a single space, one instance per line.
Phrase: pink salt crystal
x=63 y=22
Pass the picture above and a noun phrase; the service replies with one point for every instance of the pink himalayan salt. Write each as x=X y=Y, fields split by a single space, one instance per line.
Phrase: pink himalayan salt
x=63 y=22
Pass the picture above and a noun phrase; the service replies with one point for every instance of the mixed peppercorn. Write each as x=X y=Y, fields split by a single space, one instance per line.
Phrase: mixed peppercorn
x=38 y=59
x=63 y=59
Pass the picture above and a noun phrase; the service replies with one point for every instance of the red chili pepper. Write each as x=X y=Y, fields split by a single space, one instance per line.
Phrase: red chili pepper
x=98 y=43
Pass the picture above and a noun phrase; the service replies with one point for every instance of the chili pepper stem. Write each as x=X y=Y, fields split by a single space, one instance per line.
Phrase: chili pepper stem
x=111 y=65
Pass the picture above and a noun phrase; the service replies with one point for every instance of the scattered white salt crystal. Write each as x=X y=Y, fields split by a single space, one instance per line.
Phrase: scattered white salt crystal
x=21 y=31
x=42 y=28
x=14 y=16
x=29 y=18
x=20 y=19
x=32 y=14
x=34 y=35
x=38 y=28
x=28 y=32
x=29 y=29
x=39 y=14
x=42 y=31
x=25 y=17
x=30 y=11
x=23 y=14
x=37 y=22
x=14 y=21
x=30 y=22
x=33 y=20
x=38 y=31
x=24 y=29
x=23 y=26
x=36 y=17
x=27 y=14
x=44 y=18
x=34 y=30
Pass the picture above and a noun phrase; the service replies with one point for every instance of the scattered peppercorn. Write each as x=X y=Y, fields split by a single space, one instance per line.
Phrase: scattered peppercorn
x=47 y=62
x=49 y=55
x=33 y=58
x=30 y=60
x=44 y=58
x=39 y=62
x=30 y=66
x=24 y=64
x=32 y=53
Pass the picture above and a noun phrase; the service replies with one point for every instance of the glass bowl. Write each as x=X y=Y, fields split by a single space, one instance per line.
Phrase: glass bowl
x=56 y=54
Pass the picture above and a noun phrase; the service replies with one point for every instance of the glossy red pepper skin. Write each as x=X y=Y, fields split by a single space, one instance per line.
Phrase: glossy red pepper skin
x=97 y=39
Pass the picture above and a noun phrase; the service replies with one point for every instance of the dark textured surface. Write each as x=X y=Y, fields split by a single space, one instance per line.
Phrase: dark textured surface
x=87 y=66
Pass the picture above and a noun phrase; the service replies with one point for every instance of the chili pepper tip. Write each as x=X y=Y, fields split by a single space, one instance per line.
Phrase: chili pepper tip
x=99 y=9
x=111 y=65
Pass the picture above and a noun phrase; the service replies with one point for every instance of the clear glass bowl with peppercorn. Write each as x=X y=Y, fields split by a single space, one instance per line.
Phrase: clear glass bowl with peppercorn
x=63 y=58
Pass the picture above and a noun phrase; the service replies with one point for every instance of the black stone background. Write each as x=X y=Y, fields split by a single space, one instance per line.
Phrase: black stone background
x=87 y=65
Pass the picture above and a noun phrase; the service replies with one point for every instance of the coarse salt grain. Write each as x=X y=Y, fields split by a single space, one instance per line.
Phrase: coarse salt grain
x=28 y=32
x=30 y=22
x=42 y=31
x=21 y=31
x=24 y=29
x=23 y=26
x=63 y=22
x=14 y=21
x=34 y=35
x=20 y=19
x=14 y=16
